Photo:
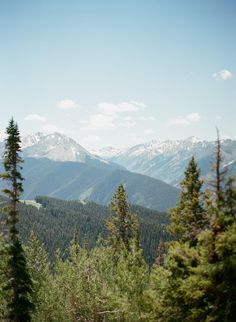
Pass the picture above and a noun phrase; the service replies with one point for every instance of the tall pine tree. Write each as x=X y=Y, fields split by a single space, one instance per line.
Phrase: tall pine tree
x=123 y=225
x=19 y=306
x=188 y=217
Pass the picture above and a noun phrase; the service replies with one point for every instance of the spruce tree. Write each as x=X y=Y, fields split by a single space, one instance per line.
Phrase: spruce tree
x=3 y=278
x=198 y=280
x=219 y=172
x=188 y=217
x=19 y=306
x=123 y=225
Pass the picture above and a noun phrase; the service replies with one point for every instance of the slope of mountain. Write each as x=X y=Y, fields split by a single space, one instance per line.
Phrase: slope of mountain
x=163 y=160
x=56 y=147
x=74 y=180
x=30 y=140
x=57 y=220
x=108 y=152
x=59 y=147
x=167 y=160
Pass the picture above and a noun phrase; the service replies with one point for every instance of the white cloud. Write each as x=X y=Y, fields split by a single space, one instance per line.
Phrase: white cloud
x=50 y=128
x=180 y=120
x=127 y=118
x=185 y=120
x=92 y=138
x=136 y=139
x=123 y=107
x=149 y=132
x=66 y=104
x=128 y=124
x=147 y=118
x=99 y=122
x=193 y=117
x=218 y=117
x=107 y=114
x=35 y=117
x=223 y=74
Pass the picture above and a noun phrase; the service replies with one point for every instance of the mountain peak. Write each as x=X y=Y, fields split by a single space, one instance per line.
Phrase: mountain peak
x=192 y=139
x=31 y=139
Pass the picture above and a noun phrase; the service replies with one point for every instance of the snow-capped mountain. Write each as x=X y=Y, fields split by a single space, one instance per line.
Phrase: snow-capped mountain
x=167 y=160
x=58 y=147
x=29 y=140
x=163 y=160
x=108 y=152
x=55 y=146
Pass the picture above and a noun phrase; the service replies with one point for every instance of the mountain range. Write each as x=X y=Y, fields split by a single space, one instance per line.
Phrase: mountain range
x=81 y=181
x=167 y=160
x=58 y=166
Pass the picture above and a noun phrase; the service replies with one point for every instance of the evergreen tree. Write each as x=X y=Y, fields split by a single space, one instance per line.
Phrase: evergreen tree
x=198 y=280
x=3 y=279
x=219 y=172
x=38 y=265
x=122 y=226
x=19 y=306
x=230 y=199
x=188 y=218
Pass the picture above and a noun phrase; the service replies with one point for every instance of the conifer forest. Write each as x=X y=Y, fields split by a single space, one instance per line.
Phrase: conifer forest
x=190 y=276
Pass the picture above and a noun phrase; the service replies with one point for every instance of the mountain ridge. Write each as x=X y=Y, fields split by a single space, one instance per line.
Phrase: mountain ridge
x=82 y=181
x=167 y=160
x=163 y=160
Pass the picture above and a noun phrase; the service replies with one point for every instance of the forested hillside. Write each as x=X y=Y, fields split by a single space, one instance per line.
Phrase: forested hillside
x=57 y=221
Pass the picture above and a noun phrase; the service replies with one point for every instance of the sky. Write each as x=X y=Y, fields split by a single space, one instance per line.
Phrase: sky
x=119 y=73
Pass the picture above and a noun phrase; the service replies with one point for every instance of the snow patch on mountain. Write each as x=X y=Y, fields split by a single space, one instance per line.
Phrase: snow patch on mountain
x=31 y=139
x=167 y=160
x=55 y=146
x=108 y=152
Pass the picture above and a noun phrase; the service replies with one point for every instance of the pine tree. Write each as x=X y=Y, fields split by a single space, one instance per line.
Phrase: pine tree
x=188 y=217
x=230 y=199
x=197 y=282
x=123 y=226
x=3 y=278
x=38 y=264
x=19 y=306
x=216 y=208
x=219 y=172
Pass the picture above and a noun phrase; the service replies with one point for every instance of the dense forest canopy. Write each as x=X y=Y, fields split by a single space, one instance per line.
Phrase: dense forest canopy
x=57 y=220
x=99 y=273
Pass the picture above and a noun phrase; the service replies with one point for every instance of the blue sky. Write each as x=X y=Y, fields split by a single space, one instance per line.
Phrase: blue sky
x=119 y=72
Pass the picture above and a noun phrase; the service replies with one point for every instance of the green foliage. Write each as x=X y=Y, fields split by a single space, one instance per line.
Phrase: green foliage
x=55 y=222
x=101 y=275
x=198 y=279
x=38 y=265
x=188 y=218
x=123 y=225
x=11 y=163
x=89 y=286
x=4 y=295
x=19 y=283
